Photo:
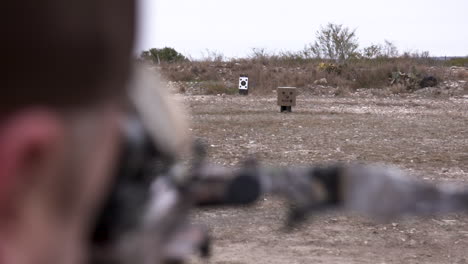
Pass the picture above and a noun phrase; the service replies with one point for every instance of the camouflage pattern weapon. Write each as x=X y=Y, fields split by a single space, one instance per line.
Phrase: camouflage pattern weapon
x=146 y=218
x=164 y=234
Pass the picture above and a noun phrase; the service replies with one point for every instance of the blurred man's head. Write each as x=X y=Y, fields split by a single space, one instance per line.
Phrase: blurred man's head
x=64 y=70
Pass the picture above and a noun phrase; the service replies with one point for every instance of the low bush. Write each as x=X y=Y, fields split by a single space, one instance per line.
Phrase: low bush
x=460 y=62
x=216 y=87
x=266 y=73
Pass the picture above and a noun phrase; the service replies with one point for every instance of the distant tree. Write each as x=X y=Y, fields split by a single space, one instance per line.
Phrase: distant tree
x=389 y=49
x=335 y=42
x=425 y=54
x=259 y=53
x=213 y=56
x=372 y=52
x=162 y=55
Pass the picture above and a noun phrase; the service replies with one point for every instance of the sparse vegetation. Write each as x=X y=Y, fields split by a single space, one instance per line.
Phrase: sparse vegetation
x=272 y=71
x=460 y=62
x=216 y=87
x=335 y=56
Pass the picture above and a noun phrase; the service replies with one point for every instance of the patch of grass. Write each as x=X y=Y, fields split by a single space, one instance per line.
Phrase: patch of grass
x=460 y=62
x=216 y=87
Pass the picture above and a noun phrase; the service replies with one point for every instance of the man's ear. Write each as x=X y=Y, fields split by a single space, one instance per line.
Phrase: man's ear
x=26 y=139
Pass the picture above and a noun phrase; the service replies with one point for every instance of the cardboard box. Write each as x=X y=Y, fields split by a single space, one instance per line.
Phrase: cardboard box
x=286 y=96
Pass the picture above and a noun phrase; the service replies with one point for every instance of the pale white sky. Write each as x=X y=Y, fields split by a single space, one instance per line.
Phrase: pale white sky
x=234 y=27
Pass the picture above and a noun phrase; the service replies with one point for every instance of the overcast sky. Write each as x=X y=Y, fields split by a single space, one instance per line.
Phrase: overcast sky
x=234 y=27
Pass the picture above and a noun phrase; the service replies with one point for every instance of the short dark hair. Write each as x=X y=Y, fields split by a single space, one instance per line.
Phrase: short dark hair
x=62 y=53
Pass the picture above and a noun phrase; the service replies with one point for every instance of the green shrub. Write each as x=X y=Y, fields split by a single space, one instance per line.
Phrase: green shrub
x=166 y=54
x=460 y=62
x=335 y=42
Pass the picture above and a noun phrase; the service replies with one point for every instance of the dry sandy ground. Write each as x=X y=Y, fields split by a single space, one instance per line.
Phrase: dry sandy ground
x=426 y=137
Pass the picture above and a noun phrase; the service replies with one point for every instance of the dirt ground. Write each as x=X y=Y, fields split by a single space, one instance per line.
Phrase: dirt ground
x=428 y=138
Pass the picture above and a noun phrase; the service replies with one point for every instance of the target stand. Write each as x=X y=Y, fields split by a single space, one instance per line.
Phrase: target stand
x=244 y=85
x=286 y=98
